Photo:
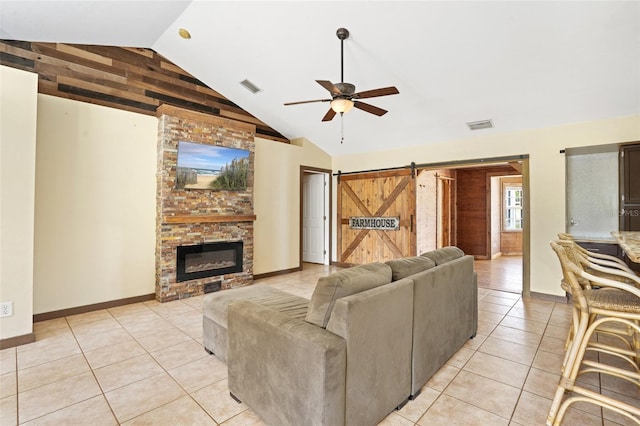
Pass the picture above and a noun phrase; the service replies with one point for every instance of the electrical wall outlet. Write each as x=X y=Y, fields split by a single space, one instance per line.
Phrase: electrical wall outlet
x=6 y=309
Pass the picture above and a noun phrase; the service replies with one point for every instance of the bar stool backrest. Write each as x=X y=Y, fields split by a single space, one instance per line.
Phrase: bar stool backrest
x=570 y=273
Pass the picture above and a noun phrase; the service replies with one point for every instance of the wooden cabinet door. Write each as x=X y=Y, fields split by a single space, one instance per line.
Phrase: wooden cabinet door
x=630 y=187
x=376 y=194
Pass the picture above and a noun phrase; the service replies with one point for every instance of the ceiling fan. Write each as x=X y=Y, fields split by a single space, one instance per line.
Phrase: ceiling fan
x=343 y=95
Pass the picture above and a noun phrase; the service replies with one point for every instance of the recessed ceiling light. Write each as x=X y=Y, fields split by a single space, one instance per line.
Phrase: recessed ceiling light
x=250 y=86
x=184 y=34
x=482 y=124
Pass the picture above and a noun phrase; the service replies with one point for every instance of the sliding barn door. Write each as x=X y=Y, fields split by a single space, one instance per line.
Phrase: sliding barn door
x=384 y=195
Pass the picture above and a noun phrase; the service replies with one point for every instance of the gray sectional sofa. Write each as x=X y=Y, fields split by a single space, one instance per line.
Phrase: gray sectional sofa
x=370 y=337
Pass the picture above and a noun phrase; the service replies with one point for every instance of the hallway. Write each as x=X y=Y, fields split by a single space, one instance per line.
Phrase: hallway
x=503 y=273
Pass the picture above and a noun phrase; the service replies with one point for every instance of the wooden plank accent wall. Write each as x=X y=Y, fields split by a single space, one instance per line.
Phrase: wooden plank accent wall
x=472 y=206
x=511 y=243
x=131 y=79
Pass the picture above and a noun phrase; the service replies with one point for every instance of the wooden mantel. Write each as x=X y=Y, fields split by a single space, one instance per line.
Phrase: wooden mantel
x=209 y=218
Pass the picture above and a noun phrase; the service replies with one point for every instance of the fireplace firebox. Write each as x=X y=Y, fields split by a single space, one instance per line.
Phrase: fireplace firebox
x=208 y=260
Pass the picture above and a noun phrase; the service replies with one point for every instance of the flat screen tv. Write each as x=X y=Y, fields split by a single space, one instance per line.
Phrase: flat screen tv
x=202 y=166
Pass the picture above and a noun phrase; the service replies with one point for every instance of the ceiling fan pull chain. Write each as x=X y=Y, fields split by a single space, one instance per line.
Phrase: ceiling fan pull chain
x=341 y=128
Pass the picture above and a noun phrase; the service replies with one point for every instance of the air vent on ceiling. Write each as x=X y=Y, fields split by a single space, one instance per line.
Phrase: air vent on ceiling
x=482 y=124
x=250 y=86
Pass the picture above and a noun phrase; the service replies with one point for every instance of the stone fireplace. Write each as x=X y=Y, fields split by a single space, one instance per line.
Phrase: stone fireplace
x=191 y=224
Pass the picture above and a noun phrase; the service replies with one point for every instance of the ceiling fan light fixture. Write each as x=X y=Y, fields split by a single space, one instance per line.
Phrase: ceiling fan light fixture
x=341 y=105
x=343 y=94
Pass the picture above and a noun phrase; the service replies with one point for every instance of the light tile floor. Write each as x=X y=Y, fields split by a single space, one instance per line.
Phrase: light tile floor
x=144 y=364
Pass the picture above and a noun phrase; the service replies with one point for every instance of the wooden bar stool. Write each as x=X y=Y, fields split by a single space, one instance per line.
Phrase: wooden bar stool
x=615 y=273
x=614 y=303
x=574 y=256
x=607 y=260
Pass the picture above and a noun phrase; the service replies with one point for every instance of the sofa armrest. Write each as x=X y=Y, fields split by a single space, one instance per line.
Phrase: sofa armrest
x=377 y=326
x=290 y=372
x=445 y=316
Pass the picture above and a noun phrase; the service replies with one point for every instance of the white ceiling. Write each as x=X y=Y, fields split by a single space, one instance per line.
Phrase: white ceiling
x=525 y=65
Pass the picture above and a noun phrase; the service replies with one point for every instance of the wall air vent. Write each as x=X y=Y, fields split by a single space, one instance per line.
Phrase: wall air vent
x=250 y=86
x=482 y=124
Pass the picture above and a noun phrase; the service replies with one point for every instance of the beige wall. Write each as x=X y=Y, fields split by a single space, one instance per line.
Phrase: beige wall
x=95 y=204
x=547 y=175
x=277 y=201
x=95 y=196
x=18 y=101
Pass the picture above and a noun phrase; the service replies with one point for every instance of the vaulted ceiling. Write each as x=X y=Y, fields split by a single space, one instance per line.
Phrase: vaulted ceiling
x=132 y=79
x=524 y=65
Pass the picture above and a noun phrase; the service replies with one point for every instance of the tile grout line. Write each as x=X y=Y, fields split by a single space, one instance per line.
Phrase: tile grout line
x=104 y=396
x=103 y=393
x=515 y=407
x=552 y=319
x=69 y=356
x=163 y=369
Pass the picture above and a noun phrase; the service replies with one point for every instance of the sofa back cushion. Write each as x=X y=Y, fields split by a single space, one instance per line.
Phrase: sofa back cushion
x=444 y=254
x=406 y=266
x=344 y=283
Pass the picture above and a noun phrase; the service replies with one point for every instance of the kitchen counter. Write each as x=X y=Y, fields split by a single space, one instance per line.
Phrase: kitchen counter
x=630 y=243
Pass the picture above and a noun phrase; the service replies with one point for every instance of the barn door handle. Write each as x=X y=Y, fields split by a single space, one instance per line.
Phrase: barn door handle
x=411 y=223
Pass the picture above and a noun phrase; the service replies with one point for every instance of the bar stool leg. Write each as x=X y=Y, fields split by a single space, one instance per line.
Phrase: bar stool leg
x=566 y=382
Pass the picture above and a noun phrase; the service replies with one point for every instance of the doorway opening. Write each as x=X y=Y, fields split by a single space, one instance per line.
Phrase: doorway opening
x=481 y=207
x=502 y=270
x=315 y=210
x=445 y=211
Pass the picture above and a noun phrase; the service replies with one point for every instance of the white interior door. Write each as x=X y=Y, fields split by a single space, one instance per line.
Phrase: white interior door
x=314 y=218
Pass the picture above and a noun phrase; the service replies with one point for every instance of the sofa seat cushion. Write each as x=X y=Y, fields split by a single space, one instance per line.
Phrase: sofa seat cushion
x=215 y=305
x=404 y=267
x=444 y=254
x=344 y=283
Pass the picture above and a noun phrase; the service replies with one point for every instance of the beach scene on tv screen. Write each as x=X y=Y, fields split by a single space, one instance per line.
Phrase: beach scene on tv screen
x=203 y=166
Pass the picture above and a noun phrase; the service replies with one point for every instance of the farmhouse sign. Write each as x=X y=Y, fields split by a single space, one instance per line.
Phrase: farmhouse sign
x=378 y=223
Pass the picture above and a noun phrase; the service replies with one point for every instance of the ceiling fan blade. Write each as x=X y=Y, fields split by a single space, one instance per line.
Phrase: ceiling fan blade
x=329 y=115
x=330 y=87
x=307 y=102
x=370 y=108
x=384 y=91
